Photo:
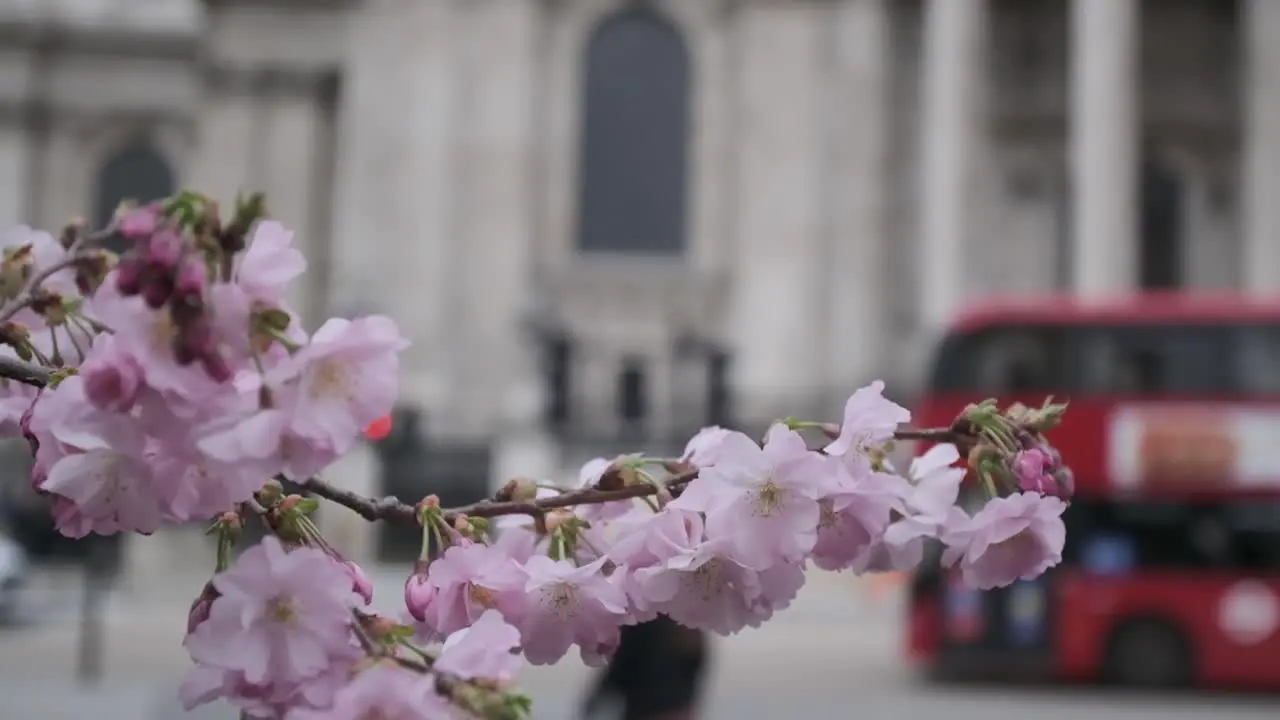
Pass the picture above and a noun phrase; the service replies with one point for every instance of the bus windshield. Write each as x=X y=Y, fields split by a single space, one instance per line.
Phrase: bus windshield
x=1120 y=359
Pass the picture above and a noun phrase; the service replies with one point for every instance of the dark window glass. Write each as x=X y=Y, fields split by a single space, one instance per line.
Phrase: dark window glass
x=635 y=133
x=558 y=364
x=138 y=173
x=1009 y=360
x=1217 y=358
x=1236 y=535
x=1160 y=246
x=633 y=401
x=719 y=394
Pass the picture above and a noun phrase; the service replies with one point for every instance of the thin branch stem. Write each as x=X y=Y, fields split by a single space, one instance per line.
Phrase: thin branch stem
x=394 y=510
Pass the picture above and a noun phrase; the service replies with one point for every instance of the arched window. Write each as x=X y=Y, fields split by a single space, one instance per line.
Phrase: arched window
x=635 y=137
x=1160 y=244
x=137 y=172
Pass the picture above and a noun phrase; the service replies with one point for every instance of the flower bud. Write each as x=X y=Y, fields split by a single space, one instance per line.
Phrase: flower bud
x=112 y=378
x=201 y=606
x=1029 y=469
x=130 y=276
x=140 y=223
x=157 y=290
x=418 y=593
x=360 y=584
x=191 y=278
x=523 y=489
x=558 y=517
x=216 y=367
x=164 y=249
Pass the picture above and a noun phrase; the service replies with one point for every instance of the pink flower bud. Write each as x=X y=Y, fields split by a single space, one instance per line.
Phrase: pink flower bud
x=1029 y=468
x=164 y=250
x=192 y=277
x=112 y=378
x=359 y=581
x=141 y=222
x=157 y=290
x=130 y=277
x=201 y=606
x=418 y=593
x=216 y=366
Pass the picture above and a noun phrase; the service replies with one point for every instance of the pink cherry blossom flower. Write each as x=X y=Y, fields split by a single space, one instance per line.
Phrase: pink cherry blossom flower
x=567 y=605
x=149 y=337
x=869 y=421
x=487 y=649
x=930 y=506
x=346 y=379
x=269 y=263
x=695 y=582
x=1010 y=538
x=281 y=616
x=709 y=445
x=195 y=486
x=467 y=580
x=853 y=519
x=108 y=481
x=777 y=587
x=112 y=377
x=385 y=690
x=764 y=501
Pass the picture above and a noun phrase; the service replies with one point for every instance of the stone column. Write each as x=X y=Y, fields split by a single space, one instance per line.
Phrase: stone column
x=1104 y=103
x=393 y=212
x=291 y=174
x=778 y=201
x=15 y=173
x=857 y=198
x=1260 y=186
x=494 y=230
x=951 y=129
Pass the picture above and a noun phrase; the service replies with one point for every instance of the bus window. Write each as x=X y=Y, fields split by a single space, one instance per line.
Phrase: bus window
x=1230 y=536
x=1002 y=360
x=1132 y=359
x=1257 y=359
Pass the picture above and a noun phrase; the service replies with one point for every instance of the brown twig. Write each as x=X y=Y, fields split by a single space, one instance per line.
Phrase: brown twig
x=394 y=510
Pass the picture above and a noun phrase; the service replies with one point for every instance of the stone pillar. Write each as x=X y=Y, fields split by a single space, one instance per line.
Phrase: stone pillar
x=1104 y=100
x=1260 y=186
x=15 y=173
x=857 y=198
x=951 y=130
x=779 y=195
x=494 y=229
x=292 y=172
x=392 y=228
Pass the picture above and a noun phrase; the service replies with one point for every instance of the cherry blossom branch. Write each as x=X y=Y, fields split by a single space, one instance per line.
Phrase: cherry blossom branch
x=394 y=510
x=24 y=372
x=28 y=293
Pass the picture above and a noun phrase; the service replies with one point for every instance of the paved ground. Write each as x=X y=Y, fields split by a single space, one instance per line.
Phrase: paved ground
x=831 y=657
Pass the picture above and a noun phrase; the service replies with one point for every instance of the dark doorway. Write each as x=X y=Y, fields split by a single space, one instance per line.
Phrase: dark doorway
x=1160 y=249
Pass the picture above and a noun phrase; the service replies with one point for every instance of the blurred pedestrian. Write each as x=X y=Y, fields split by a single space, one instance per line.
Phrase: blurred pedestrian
x=657 y=673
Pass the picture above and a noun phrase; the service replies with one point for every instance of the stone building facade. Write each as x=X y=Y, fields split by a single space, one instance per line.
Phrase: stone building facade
x=644 y=216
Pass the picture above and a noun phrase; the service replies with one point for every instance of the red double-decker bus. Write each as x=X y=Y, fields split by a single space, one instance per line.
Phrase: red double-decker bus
x=1171 y=571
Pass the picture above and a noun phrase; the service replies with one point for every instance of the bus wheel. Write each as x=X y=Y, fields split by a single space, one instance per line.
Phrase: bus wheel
x=1149 y=654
